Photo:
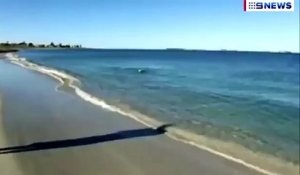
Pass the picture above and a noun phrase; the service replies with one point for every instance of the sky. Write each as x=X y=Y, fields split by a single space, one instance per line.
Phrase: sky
x=149 y=24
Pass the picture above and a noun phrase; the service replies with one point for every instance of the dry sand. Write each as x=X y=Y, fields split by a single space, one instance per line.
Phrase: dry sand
x=8 y=163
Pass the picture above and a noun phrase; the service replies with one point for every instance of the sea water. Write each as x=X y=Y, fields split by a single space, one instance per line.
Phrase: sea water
x=249 y=98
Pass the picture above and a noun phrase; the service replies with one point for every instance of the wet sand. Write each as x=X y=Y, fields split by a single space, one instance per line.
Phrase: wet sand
x=33 y=111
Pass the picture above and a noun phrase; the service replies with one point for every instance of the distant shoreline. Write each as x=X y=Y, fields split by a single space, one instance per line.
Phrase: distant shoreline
x=4 y=51
x=8 y=50
x=188 y=50
x=16 y=49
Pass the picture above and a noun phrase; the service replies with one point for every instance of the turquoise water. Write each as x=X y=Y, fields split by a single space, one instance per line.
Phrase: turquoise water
x=246 y=97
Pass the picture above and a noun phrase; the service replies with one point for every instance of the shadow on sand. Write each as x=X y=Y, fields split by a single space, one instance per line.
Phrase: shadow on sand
x=86 y=140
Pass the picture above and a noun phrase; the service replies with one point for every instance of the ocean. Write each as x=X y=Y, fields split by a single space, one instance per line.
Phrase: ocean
x=247 y=98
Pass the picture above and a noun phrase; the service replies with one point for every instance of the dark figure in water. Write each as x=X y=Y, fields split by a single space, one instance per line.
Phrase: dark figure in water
x=141 y=71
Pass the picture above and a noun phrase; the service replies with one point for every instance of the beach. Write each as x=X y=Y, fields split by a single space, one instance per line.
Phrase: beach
x=145 y=87
x=34 y=111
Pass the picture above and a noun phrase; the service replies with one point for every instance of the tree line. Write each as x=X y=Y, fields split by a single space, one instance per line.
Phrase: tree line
x=31 y=45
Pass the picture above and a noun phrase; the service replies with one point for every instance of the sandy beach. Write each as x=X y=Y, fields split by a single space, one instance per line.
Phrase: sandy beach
x=44 y=131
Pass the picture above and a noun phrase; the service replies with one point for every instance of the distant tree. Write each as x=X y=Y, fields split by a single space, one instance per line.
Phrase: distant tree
x=22 y=44
x=60 y=45
x=52 y=44
x=42 y=46
x=7 y=44
x=30 y=45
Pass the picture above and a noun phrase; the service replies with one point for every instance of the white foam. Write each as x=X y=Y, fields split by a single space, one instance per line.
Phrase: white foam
x=81 y=93
x=60 y=76
x=89 y=98
x=228 y=157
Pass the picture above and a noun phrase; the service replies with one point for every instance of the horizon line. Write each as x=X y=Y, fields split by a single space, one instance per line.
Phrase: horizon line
x=171 y=48
x=187 y=49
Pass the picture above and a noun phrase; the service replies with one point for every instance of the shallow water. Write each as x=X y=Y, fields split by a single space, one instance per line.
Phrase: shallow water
x=249 y=98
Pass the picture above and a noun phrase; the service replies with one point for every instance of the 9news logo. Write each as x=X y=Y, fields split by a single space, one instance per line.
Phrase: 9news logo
x=269 y=5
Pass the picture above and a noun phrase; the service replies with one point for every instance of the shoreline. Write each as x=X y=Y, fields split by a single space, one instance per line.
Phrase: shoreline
x=8 y=51
x=62 y=116
x=247 y=159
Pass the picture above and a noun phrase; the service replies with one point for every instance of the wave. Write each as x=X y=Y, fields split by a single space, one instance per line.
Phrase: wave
x=263 y=163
